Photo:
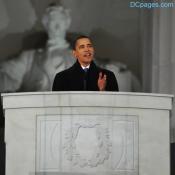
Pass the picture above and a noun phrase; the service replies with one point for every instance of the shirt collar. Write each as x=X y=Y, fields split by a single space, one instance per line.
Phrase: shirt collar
x=87 y=67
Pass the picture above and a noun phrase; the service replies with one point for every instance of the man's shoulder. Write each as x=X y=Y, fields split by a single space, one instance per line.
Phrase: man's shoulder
x=106 y=71
x=64 y=72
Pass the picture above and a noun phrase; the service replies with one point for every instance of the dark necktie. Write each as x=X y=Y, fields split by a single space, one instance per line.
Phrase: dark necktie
x=86 y=70
x=85 y=78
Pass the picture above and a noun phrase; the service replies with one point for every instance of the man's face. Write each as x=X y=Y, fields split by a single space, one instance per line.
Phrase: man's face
x=84 y=51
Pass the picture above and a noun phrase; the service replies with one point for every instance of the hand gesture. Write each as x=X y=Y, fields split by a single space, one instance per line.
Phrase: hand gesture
x=102 y=81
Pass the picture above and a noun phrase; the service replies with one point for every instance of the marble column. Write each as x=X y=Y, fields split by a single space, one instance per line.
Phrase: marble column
x=159 y=52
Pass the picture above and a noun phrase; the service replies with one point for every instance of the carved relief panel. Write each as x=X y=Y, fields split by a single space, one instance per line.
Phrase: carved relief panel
x=87 y=144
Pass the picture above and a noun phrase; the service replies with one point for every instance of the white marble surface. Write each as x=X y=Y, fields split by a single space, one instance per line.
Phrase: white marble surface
x=87 y=133
x=111 y=143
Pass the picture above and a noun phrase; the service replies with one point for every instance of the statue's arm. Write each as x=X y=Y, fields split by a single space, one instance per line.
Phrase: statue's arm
x=12 y=73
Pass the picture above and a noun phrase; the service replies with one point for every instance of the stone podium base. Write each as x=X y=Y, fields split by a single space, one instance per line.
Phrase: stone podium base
x=88 y=133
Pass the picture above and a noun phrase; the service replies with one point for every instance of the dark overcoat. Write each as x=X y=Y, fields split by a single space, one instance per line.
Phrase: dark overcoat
x=76 y=79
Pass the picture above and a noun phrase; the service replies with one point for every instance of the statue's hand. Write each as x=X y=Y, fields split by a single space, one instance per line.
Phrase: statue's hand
x=102 y=81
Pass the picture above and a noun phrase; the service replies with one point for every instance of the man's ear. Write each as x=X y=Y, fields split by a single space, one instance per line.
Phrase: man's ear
x=74 y=53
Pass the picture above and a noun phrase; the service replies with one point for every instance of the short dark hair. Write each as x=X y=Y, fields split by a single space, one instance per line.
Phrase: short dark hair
x=74 y=42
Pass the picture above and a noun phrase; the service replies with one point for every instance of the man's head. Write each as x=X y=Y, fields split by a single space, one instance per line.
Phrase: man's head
x=83 y=50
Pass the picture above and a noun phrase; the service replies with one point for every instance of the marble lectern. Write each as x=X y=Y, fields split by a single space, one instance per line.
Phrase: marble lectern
x=84 y=133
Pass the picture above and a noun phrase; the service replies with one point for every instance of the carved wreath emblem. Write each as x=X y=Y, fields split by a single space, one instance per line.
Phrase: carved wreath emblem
x=100 y=155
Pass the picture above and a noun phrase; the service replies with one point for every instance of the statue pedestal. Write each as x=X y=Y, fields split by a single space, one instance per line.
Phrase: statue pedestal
x=87 y=133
